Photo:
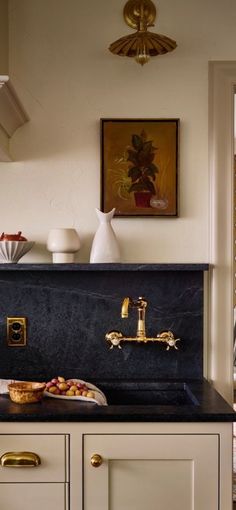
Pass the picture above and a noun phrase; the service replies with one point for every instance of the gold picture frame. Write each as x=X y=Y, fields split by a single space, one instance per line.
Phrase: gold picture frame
x=139 y=167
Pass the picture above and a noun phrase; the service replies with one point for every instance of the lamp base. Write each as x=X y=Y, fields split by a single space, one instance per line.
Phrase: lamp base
x=63 y=258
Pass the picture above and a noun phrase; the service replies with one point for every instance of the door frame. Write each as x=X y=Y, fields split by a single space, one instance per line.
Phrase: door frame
x=222 y=84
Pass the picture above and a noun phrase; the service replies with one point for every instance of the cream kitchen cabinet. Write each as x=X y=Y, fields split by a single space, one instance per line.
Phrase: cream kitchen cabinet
x=152 y=470
x=177 y=466
x=25 y=484
x=158 y=466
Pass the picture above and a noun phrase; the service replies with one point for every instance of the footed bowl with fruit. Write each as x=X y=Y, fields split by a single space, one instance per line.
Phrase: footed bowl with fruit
x=74 y=389
x=13 y=247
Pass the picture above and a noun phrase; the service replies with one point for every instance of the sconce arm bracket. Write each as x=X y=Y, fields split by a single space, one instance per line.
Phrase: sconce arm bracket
x=134 y=10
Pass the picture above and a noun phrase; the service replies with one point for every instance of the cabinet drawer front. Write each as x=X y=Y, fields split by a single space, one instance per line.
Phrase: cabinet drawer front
x=153 y=471
x=52 y=450
x=41 y=496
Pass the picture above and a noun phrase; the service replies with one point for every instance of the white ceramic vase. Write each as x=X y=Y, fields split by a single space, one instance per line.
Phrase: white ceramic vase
x=105 y=247
x=63 y=243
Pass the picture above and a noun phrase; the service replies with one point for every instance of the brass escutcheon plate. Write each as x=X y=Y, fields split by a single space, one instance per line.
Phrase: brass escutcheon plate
x=132 y=10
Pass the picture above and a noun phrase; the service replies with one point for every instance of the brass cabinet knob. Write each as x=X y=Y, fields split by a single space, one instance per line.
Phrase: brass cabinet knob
x=96 y=460
x=20 y=459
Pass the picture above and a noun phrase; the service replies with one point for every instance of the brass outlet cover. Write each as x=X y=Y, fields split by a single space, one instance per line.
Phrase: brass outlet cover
x=16 y=331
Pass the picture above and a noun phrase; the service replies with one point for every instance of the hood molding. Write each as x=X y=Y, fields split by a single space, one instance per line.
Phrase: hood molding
x=12 y=115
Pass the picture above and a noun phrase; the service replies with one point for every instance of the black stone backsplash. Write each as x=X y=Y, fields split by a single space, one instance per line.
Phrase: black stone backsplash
x=69 y=308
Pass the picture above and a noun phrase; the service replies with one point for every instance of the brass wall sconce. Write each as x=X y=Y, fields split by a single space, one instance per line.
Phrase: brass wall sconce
x=143 y=44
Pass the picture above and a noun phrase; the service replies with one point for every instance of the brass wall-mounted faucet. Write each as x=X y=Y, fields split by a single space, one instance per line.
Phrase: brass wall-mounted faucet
x=116 y=337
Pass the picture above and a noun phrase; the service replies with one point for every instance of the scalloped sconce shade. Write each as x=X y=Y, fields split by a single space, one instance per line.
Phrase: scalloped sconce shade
x=140 y=14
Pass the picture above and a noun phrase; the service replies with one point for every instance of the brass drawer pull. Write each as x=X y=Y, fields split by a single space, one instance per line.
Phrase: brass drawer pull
x=20 y=459
x=96 y=460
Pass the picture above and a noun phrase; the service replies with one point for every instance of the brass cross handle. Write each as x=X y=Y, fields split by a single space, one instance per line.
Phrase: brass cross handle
x=96 y=460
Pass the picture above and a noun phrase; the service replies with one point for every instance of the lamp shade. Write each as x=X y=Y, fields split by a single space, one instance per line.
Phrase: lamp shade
x=63 y=243
x=155 y=44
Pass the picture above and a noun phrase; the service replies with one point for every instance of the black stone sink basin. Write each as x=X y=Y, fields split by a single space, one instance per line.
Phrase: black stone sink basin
x=150 y=393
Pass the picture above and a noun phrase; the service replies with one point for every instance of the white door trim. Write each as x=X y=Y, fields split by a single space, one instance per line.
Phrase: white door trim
x=222 y=82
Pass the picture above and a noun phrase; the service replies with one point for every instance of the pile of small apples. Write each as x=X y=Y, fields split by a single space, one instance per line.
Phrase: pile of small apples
x=69 y=388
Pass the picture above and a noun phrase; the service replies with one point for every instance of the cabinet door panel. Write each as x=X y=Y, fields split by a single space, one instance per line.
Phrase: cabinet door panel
x=37 y=496
x=177 y=472
x=157 y=478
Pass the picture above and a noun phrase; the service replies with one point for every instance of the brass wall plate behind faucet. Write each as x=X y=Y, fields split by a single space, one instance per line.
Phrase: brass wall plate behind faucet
x=16 y=331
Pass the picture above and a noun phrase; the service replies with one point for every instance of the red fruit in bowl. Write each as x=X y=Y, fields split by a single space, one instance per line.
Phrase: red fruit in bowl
x=12 y=237
x=54 y=381
x=70 y=383
x=49 y=384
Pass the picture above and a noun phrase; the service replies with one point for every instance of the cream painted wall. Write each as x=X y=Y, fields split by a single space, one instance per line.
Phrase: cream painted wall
x=67 y=80
x=4 y=37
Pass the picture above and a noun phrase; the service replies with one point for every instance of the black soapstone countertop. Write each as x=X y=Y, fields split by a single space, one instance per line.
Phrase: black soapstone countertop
x=202 y=404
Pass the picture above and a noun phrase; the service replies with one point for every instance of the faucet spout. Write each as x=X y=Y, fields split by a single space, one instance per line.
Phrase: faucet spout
x=125 y=308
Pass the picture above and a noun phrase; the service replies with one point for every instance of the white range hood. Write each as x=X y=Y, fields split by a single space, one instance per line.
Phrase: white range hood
x=12 y=115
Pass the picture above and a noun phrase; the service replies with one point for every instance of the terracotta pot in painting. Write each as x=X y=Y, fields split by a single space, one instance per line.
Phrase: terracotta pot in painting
x=142 y=198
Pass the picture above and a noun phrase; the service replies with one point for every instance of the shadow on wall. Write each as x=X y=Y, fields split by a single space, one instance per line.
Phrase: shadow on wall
x=46 y=140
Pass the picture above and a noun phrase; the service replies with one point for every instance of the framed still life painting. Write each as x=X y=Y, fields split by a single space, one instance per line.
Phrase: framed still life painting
x=139 y=166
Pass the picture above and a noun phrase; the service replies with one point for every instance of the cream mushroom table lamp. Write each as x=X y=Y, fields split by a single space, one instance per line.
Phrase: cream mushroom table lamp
x=63 y=243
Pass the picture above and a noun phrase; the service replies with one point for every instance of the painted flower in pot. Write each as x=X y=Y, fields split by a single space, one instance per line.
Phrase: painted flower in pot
x=143 y=170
